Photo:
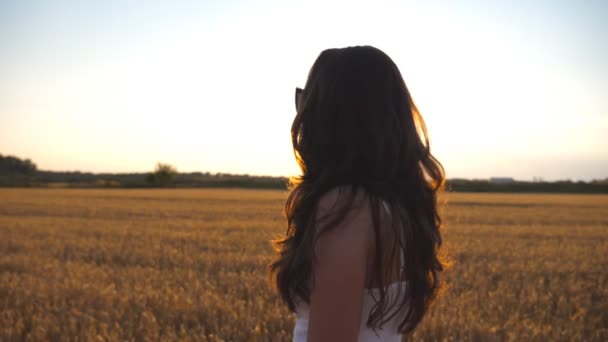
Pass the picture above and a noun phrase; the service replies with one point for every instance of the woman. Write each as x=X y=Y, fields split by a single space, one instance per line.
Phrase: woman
x=359 y=260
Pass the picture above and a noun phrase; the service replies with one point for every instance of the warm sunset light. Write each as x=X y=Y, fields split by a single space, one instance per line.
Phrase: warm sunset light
x=149 y=189
x=506 y=90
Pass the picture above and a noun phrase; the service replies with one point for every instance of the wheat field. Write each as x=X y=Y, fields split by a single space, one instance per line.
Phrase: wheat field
x=164 y=265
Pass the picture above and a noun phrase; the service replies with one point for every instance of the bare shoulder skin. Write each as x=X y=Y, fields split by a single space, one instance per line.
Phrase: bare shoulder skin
x=340 y=270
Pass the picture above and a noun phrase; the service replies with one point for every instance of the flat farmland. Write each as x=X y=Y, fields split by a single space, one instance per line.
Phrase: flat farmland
x=164 y=265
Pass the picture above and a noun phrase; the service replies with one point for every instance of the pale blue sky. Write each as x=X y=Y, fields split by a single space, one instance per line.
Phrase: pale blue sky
x=114 y=86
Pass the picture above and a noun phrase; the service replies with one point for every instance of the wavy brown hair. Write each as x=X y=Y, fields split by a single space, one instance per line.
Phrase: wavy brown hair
x=358 y=127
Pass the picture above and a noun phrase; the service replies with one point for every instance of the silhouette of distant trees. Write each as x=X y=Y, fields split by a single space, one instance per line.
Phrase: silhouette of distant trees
x=10 y=165
x=163 y=175
x=560 y=186
x=24 y=173
x=16 y=172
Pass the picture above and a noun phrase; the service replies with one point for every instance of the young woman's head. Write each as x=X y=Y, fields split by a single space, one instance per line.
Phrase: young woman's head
x=357 y=126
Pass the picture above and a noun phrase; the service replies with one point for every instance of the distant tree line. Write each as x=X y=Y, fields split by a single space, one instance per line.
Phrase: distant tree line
x=562 y=186
x=155 y=180
x=15 y=172
x=163 y=175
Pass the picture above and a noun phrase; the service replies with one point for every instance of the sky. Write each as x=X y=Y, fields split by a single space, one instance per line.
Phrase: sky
x=507 y=90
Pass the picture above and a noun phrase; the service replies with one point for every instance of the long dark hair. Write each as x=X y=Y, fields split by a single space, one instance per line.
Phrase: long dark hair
x=357 y=127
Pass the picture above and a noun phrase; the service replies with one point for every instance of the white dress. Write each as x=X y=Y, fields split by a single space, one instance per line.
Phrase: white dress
x=390 y=330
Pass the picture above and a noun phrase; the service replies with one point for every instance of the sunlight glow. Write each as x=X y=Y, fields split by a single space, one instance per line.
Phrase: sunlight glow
x=215 y=92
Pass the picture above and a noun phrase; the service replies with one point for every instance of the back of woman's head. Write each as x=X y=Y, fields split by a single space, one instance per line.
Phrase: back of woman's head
x=356 y=122
x=357 y=126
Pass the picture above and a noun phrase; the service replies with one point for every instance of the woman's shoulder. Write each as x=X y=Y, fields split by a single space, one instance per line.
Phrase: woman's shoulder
x=345 y=211
x=350 y=200
x=338 y=197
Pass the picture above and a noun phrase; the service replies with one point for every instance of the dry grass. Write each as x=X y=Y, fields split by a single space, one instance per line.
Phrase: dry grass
x=191 y=265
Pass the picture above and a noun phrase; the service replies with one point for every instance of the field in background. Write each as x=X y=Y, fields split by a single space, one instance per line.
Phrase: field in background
x=191 y=264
